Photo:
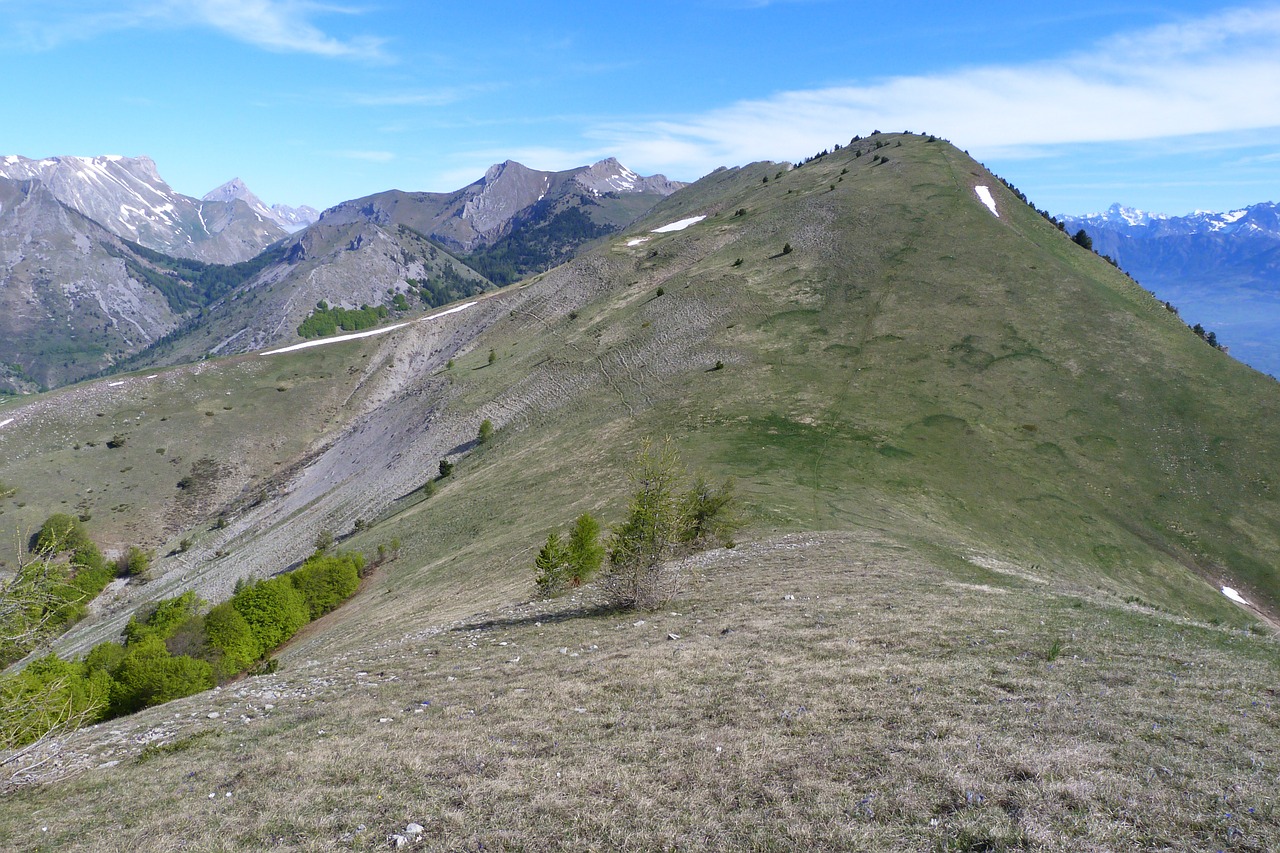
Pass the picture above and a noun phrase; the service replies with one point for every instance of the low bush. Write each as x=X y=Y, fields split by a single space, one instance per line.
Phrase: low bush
x=170 y=651
x=149 y=675
x=274 y=609
x=164 y=619
x=327 y=580
x=50 y=694
x=664 y=523
x=231 y=645
x=61 y=532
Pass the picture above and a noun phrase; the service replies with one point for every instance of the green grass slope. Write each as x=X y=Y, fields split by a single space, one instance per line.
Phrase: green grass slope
x=914 y=363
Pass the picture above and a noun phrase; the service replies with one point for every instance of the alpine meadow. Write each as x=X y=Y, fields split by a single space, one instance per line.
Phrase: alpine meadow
x=932 y=507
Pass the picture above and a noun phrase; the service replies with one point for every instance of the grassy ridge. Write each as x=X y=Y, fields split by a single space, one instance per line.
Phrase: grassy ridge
x=915 y=361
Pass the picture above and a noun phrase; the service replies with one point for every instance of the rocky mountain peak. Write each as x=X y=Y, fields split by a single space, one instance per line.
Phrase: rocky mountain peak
x=232 y=189
x=608 y=175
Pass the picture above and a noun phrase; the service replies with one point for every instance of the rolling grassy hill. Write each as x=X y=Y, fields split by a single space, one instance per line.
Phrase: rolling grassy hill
x=1000 y=484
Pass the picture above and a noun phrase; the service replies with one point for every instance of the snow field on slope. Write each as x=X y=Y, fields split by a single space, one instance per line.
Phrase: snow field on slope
x=678 y=225
x=354 y=335
x=984 y=195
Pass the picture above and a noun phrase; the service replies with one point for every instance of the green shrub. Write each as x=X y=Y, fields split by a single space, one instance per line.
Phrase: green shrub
x=164 y=620
x=70 y=599
x=49 y=694
x=231 y=646
x=485 y=435
x=88 y=556
x=149 y=675
x=106 y=657
x=708 y=513
x=585 y=552
x=274 y=609
x=61 y=532
x=135 y=562
x=327 y=580
x=551 y=565
x=663 y=524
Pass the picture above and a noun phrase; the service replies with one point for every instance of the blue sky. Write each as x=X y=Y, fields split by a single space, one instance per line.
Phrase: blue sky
x=1171 y=106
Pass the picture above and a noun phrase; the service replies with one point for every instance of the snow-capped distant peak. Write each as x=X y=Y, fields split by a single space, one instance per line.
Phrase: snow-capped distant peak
x=1118 y=213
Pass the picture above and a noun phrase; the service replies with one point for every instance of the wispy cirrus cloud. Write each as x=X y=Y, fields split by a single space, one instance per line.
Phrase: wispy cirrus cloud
x=1214 y=75
x=285 y=26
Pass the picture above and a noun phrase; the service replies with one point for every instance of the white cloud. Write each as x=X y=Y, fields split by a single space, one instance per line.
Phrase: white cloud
x=1211 y=75
x=278 y=25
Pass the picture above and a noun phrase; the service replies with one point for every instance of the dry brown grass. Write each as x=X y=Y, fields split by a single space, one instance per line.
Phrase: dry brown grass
x=811 y=692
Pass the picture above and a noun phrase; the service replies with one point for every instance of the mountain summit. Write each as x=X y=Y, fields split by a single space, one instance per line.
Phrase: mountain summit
x=511 y=196
x=287 y=217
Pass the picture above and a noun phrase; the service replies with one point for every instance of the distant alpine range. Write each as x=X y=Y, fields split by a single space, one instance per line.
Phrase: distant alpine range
x=1220 y=269
x=100 y=258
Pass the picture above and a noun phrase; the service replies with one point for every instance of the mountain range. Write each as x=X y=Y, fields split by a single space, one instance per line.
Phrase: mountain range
x=96 y=269
x=1221 y=270
x=1005 y=573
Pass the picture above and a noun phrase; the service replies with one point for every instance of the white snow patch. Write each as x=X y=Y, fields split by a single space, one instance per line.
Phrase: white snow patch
x=153 y=376
x=10 y=159
x=369 y=334
x=454 y=310
x=6 y=422
x=1226 y=590
x=984 y=195
x=337 y=340
x=678 y=225
x=636 y=241
x=114 y=384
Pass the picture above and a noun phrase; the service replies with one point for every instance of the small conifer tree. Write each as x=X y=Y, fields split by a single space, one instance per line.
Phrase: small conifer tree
x=552 y=564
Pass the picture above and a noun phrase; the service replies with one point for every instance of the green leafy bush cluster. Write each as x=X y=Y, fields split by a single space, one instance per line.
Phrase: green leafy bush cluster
x=175 y=649
x=326 y=321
